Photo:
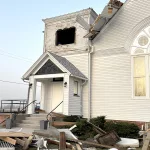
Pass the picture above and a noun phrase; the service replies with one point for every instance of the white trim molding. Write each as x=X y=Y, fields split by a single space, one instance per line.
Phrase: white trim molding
x=47 y=76
x=135 y=31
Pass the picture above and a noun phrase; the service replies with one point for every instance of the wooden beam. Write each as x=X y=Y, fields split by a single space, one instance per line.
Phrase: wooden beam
x=78 y=147
x=91 y=143
x=27 y=142
x=62 y=138
x=146 y=142
x=99 y=129
x=20 y=142
x=61 y=123
x=9 y=140
x=68 y=145
x=14 y=134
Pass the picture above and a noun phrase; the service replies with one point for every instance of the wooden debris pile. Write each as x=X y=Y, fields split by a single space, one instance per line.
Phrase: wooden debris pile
x=65 y=139
x=17 y=138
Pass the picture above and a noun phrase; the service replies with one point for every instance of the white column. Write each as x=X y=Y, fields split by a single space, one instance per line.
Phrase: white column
x=66 y=95
x=32 y=95
x=42 y=102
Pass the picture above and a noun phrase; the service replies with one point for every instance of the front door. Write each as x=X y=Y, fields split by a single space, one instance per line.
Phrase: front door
x=57 y=96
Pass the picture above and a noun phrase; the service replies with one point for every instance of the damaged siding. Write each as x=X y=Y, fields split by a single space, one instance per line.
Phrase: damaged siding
x=51 y=28
x=117 y=31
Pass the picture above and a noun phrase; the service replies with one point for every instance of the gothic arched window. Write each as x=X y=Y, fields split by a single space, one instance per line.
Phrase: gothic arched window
x=140 y=51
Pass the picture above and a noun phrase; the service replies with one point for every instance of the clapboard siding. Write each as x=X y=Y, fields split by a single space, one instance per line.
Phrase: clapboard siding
x=66 y=95
x=116 y=32
x=74 y=101
x=81 y=62
x=112 y=90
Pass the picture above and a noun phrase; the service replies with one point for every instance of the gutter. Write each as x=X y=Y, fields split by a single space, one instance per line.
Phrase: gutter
x=85 y=81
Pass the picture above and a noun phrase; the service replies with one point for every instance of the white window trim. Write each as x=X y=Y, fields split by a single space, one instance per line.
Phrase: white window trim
x=147 y=76
x=76 y=94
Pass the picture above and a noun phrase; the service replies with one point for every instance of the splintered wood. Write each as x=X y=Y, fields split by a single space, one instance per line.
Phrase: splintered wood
x=146 y=142
x=23 y=139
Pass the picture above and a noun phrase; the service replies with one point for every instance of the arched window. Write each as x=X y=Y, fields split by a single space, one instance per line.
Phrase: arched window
x=140 y=51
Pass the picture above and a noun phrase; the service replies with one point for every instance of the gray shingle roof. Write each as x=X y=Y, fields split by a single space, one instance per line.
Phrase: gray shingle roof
x=69 y=66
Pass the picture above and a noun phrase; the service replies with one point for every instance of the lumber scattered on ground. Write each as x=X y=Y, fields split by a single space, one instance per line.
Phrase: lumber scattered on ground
x=9 y=140
x=23 y=139
x=14 y=134
x=146 y=142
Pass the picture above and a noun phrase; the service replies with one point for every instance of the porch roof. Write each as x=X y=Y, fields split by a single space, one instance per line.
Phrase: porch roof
x=61 y=62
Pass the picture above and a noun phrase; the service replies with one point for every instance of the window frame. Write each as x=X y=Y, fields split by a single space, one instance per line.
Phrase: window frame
x=76 y=86
x=147 y=76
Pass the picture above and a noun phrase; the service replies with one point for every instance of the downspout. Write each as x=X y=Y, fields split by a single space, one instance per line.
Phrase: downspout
x=90 y=51
x=85 y=81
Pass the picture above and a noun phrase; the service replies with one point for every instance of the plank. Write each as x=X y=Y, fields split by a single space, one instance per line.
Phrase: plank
x=55 y=142
x=99 y=129
x=78 y=147
x=146 y=142
x=62 y=138
x=19 y=141
x=27 y=142
x=61 y=123
x=9 y=140
x=91 y=143
x=14 y=134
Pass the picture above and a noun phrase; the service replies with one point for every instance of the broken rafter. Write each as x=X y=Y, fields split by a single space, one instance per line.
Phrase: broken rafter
x=68 y=145
x=91 y=143
x=8 y=140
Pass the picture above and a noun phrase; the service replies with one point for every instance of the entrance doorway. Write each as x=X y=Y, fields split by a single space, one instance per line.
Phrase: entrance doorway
x=57 y=96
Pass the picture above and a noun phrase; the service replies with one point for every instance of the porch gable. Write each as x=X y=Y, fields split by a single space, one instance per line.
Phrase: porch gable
x=50 y=63
x=49 y=68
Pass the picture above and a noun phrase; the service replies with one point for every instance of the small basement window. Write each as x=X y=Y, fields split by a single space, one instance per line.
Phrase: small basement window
x=75 y=88
x=65 y=36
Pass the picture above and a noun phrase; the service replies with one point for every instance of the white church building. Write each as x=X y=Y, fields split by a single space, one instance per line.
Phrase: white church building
x=95 y=65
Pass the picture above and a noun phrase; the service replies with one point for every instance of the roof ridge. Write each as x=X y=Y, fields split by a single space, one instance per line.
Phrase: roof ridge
x=83 y=11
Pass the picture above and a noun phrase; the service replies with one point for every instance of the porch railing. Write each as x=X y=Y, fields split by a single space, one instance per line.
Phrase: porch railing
x=49 y=114
x=9 y=104
x=19 y=111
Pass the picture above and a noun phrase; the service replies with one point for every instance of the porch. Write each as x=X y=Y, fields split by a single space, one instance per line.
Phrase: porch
x=60 y=82
x=54 y=90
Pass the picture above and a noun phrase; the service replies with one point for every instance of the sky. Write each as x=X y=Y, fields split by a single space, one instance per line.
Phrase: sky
x=21 y=37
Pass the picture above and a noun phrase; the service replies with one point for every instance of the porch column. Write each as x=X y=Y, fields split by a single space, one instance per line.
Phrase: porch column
x=43 y=98
x=66 y=95
x=32 y=95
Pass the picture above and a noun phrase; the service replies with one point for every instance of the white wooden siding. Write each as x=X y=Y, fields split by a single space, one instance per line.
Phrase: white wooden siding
x=66 y=95
x=111 y=90
x=74 y=101
x=116 y=32
x=81 y=62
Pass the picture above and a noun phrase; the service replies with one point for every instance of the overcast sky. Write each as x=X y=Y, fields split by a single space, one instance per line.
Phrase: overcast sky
x=21 y=37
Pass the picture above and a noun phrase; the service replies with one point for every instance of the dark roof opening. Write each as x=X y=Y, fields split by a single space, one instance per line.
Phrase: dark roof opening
x=65 y=36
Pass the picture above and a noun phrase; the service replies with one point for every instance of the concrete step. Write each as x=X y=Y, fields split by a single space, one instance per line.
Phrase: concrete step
x=31 y=121
x=35 y=118
x=38 y=115
x=33 y=126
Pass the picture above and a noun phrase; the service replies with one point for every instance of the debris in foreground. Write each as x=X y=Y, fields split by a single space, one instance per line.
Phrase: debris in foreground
x=128 y=142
